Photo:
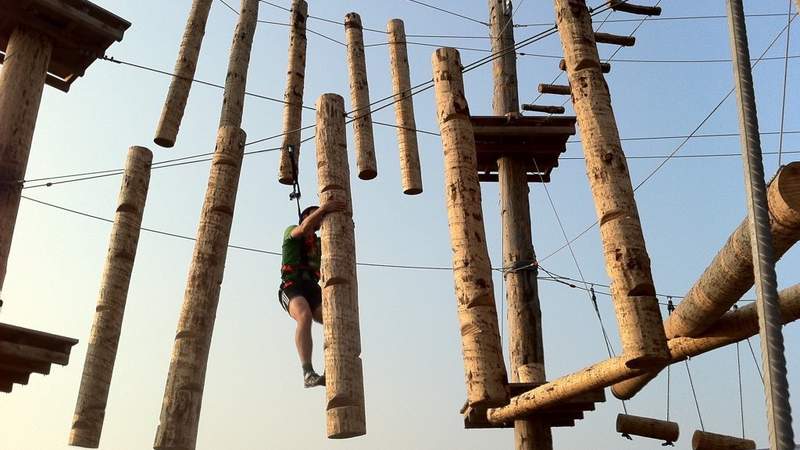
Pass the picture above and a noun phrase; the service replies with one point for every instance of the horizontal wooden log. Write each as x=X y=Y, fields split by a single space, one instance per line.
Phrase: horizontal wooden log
x=557 y=89
x=647 y=427
x=604 y=67
x=549 y=109
x=703 y=440
x=624 y=6
x=616 y=39
x=735 y=326
x=33 y=354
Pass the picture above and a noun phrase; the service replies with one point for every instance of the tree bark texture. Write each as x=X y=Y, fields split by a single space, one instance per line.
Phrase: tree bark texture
x=183 y=394
x=647 y=427
x=346 y=415
x=410 y=171
x=239 y=62
x=185 y=67
x=359 y=98
x=733 y=327
x=703 y=440
x=627 y=261
x=295 y=85
x=485 y=371
x=22 y=77
x=87 y=422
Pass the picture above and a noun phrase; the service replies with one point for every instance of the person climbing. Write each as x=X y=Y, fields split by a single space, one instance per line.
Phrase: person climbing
x=300 y=294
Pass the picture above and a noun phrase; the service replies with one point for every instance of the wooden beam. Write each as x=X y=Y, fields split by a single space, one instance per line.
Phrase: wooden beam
x=33 y=354
x=24 y=365
x=14 y=376
x=410 y=173
x=293 y=96
x=185 y=67
x=543 y=108
x=647 y=427
x=615 y=39
x=626 y=258
x=485 y=373
x=554 y=89
x=703 y=440
x=90 y=408
x=344 y=377
x=21 y=85
x=359 y=96
x=625 y=6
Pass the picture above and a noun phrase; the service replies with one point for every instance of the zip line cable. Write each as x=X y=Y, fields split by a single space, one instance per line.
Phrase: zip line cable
x=785 y=78
x=449 y=12
x=694 y=395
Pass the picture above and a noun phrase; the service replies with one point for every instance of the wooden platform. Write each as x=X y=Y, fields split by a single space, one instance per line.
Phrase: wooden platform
x=24 y=351
x=80 y=31
x=533 y=138
x=561 y=415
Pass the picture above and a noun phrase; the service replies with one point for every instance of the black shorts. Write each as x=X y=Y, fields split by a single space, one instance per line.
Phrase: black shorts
x=307 y=289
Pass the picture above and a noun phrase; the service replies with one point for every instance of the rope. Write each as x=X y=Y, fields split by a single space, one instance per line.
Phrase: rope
x=785 y=78
x=755 y=360
x=296 y=194
x=694 y=394
x=449 y=12
x=741 y=396
x=670 y=310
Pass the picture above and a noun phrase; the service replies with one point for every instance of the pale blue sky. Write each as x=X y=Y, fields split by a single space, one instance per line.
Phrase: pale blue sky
x=411 y=351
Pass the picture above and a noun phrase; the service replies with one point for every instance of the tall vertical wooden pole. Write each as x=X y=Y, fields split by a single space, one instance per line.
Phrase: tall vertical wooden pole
x=185 y=67
x=627 y=261
x=485 y=371
x=359 y=96
x=90 y=410
x=404 y=109
x=295 y=85
x=524 y=313
x=22 y=77
x=343 y=374
x=183 y=394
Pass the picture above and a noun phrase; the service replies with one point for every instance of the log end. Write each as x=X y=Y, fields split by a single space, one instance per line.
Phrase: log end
x=367 y=174
x=412 y=191
x=346 y=422
x=164 y=141
x=80 y=438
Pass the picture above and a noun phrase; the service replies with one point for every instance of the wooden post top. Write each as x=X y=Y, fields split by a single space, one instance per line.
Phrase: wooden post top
x=79 y=30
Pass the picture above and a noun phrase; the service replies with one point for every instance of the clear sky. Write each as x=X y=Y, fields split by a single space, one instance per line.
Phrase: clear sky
x=411 y=351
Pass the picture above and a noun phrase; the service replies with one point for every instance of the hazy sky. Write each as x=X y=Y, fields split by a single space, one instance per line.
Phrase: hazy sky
x=411 y=351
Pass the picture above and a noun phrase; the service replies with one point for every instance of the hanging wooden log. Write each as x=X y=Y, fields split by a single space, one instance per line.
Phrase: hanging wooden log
x=87 y=422
x=625 y=6
x=484 y=368
x=359 y=98
x=295 y=84
x=554 y=89
x=604 y=67
x=732 y=327
x=410 y=172
x=543 y=108
x=22 y=81
x=346 y=415
x=183 y=393
x=607 y=38
x=647 y=427
x=185 y=67
x=626 y=258
x=703 y=440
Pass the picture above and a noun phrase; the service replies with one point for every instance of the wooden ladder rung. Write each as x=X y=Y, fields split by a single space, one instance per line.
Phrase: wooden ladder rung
x=557 y=89
x=624 y=6
x=616 y=39
x=604 y=67
x=549 y=109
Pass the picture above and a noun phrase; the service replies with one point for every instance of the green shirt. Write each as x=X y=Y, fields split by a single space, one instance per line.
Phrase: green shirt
x=301 y=257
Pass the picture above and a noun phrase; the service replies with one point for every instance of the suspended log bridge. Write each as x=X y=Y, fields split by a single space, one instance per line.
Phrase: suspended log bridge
x=703 y=440
x=733 y=327
x=537 y=141
x=90 y=409
x=295 y=86
x=646 y=427
x=346 y=416
x=730 y=274
x=615 y=39
x=24 y=351
x=185 y=67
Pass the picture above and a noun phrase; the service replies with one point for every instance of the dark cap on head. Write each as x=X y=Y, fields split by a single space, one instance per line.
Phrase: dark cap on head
x=307 y=212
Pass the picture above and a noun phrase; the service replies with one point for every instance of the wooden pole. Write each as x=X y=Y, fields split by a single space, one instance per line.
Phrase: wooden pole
x=87 y=422
x=524 y=313
x=295 y=85
x=485 y=372
x=183 y=394
x=647 y=427
x=730 y=274
x=733 y=327
x=21 y=85
x=404 y=109
x=359 y=98
x=703 y=440
x=627 y=261
x=343 y=372
x=185 y=67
